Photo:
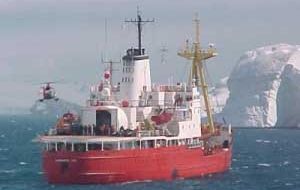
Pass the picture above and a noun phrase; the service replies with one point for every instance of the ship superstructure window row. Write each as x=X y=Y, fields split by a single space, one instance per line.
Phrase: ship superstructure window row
x=127 y=79
x=128 y=64
x=128 y=69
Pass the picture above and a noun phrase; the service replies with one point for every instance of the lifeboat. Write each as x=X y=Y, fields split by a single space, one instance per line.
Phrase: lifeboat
x=162 y=118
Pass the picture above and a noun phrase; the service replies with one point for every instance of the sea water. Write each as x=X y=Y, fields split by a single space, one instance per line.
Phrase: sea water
x=262 y=159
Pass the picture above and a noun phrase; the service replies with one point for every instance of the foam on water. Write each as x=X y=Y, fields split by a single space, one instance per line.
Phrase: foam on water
x=288 y=184
x=23 y=163
x=4 y=149
x=264 y=164
x=7 y=171
x=262 y=141
x=286 y=162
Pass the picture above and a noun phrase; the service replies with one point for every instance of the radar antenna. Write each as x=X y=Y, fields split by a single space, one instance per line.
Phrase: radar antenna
x=139 y=22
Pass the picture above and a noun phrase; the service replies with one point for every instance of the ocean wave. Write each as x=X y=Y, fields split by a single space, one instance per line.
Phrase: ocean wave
x=264 y=164
x=137 y=181
x=23 y=163
x=4 y=149
x=8 y=171
x=262 y=141
x=3 y=158
x=286 y=162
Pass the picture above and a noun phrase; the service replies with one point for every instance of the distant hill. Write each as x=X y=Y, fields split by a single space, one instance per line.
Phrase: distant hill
x=52 y=108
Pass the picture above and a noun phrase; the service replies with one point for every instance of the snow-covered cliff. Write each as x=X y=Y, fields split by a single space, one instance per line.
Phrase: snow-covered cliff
x=260 y=87
x=288 y=98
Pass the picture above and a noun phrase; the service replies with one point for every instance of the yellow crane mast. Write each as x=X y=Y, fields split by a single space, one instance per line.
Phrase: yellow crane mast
x=198 y=55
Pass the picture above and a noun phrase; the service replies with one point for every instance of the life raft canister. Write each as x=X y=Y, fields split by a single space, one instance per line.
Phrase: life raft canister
x=125 y=103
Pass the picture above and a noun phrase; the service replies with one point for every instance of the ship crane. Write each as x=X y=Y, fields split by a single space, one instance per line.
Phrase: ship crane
x=198 y=55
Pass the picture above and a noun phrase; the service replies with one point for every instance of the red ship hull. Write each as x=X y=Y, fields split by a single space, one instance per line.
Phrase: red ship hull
x=165 y=163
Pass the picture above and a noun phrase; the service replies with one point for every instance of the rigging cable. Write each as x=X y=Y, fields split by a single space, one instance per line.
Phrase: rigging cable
x=213 y=89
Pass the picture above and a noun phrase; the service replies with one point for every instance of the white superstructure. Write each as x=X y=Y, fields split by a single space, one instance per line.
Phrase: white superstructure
x=135 y=76
x=135 y=105
x=172 y=110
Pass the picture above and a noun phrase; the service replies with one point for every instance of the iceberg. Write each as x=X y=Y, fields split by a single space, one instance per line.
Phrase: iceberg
x=264 y=88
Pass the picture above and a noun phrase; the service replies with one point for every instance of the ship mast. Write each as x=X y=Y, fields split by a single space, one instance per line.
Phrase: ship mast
x=198 y=55
x=139 y=22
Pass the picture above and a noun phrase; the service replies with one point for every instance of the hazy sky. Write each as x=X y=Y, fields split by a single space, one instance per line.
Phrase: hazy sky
x=64 y=39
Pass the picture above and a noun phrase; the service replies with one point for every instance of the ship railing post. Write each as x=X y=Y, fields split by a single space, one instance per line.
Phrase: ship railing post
x=154 y=143
x=65 y=145
x=86 y=146
x=102 y=145
x=119 y=147
x=140 y=144
x=55 y=146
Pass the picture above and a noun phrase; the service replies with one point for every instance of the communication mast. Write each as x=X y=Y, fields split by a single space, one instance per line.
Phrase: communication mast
x=139 y=22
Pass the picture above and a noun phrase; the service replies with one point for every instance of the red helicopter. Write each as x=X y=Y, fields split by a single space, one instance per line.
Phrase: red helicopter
x=48 y=92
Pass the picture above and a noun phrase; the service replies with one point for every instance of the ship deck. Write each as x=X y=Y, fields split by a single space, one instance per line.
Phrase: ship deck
x=95 y=139
x=83 y=139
